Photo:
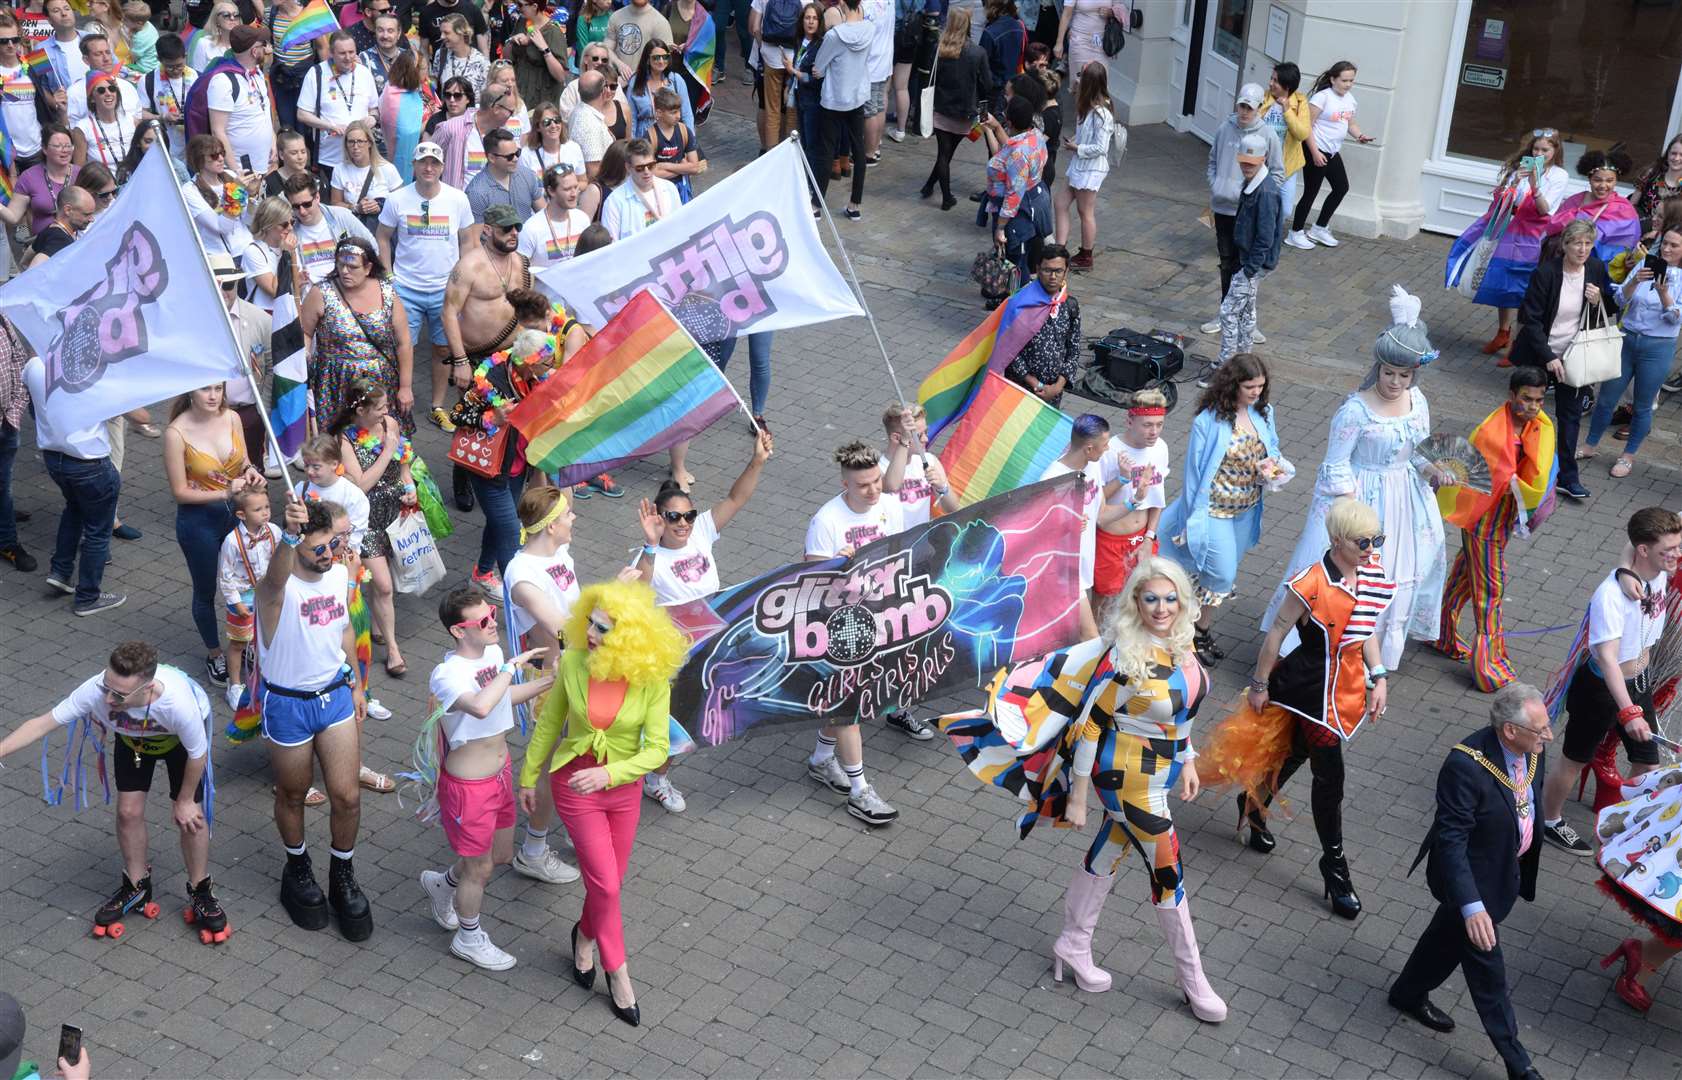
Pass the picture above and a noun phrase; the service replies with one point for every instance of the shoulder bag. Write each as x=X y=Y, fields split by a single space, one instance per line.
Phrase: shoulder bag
x=925 y=100
x=1596 y=351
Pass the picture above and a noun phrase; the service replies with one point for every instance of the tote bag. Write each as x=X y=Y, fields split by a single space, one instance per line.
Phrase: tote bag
x=416 y=565
x=925 y=101
x=1596 y=351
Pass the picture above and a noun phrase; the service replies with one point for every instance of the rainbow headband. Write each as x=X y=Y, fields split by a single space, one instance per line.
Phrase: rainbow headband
x=546 y=520
x=96 y=77
x=1147 y=410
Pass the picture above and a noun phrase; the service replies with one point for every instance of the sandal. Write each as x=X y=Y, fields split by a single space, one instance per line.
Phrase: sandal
x=375 y=781
x=1588 y=453
x=314 y=797
x=1621 y=468
x=397 y=670
x=150 y=430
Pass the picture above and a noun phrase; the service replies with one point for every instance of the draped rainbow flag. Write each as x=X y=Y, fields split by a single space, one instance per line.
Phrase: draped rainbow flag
x=950 y=388
x=1007 y=438
x=639 y=386
x=315 y=20
x=701 y=49
x=1498 y=442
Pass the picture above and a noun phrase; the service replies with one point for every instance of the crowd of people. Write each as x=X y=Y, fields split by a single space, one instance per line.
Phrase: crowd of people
x=395 y=184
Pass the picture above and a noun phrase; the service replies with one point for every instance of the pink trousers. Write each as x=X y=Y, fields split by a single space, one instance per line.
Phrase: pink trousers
x=602 y=826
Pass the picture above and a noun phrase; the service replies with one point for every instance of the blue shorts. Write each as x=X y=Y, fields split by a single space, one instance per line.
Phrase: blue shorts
x=423 y=307
x=294 y=721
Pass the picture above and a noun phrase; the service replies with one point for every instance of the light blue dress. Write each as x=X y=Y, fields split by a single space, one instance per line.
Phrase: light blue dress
x=1209 y=548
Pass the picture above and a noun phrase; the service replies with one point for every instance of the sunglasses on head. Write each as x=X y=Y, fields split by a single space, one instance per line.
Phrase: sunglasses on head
x=1369 y=543
x=675 y=516
x=484 y=622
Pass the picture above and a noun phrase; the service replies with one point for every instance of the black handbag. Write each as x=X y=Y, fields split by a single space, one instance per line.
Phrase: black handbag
x=1115 y=37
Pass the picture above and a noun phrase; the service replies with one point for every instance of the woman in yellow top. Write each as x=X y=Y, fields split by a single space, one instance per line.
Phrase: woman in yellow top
x=1287 y=114
x=606 y=723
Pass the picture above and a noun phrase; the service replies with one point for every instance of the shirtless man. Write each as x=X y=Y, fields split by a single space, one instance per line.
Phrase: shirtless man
x=478 y=319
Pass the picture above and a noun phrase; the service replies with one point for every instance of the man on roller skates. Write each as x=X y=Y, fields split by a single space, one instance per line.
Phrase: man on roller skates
x=309 y=704
x=154 y=713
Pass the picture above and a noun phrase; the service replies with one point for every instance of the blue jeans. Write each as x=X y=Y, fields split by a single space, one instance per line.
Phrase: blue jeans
x=200 y=529
x=728 y=12
x=759 y=366
x=90 y=507
x=8 y=454
x=498 y=498
x=1647 y=361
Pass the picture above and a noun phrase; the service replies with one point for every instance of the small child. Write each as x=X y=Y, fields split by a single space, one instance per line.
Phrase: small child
x=243 y=561
x=476 y=694
x=326 y=481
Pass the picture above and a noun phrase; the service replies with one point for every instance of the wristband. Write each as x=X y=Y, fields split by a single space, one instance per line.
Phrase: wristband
x=1259 y=685
x=1629 y=714
x=1150 y=534
x=289 y=540
x=1377 y=673
x=505 y=668
x=648 y=549
x=941 y=492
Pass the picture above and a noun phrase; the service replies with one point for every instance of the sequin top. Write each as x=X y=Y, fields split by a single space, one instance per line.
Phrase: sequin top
x=1236 y=487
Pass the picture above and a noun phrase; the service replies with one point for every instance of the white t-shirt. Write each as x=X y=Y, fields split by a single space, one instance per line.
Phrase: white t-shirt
x=1614 y=615
x=879 y=58
x=1089 y=527
x=347 y=495
x=629 y=211
x=915 y=493
x=458 y=676
x=1555 y=182
x=168 y=98
x=347 y=180
x=836 y=526
x=108 y=143
x=315 y=247
x=554 y=576
x=248 y=116
x=181 y=710
x=17 y=101
x=88 y=443
x=76 y=100
x=424 y=244
x=689 y=572
x=770 y=56
x=1150 y=463
x=539 y=160
x=343 y=98
x=545 y=241
x=1331 y=127
x=474 y=162
x=259 y=258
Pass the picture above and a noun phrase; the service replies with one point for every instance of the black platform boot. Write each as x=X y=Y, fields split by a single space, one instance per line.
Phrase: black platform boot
x=300 y=895
x=356 y=919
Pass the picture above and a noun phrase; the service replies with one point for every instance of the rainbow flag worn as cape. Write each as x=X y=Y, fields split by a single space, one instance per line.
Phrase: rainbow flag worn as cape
x=639 y=386
x=701 y=49
x=315 y=20
x=1499 y=444
x=1007 y=438
x=954 y=383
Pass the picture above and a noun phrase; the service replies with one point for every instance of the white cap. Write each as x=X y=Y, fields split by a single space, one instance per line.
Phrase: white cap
x=428 y=150
x=1251 y=94
x=1252 y=149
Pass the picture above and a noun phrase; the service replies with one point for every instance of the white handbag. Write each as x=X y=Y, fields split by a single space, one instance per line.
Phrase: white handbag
x=925 y=101
x=1596 y=351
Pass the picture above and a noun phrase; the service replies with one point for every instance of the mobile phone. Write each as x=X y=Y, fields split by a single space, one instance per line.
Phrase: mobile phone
x=1655 y=262
x=245 y=162
x=1528 y=164
x=70 y=1043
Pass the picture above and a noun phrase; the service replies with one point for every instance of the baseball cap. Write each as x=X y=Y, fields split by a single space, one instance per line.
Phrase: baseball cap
x=502 y=216
x=223 y=267
x=1252 y=149
x=1251 y=94
x=429 y=150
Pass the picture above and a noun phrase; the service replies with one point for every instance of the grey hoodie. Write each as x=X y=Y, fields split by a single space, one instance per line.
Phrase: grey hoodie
x=841 y=66
x=1225 y=181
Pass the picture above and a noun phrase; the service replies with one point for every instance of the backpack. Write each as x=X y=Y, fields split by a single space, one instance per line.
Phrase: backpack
x=1118 y=141
x=195 y=113
x=780 y=24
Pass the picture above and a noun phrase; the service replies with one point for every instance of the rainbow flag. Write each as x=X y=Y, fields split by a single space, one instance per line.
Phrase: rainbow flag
x=639 y=386
x=40 y=67
x=700 y=98
x=955 y=381
x=315 y=20
x=1007 y=438
x=1498 y=442
x=701 y=49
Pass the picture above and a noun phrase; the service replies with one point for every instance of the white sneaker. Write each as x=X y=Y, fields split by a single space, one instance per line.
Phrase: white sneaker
x=1258 y=338
x=233 y=693
x=1299 y=240
x=376 y=711
x=273 y=472
x=475 y=947
x=548 y=867
x=1322 y=235
x=442 y=898
x=831 y=775
x=660 y=788
x=895 y=135
x=870 y=807
x=1213 y=326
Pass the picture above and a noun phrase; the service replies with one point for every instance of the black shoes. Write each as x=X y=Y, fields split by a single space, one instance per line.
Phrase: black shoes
x=1208 y=653
x=1340 y=890
x=19 y=558
x=586 y=979
x=463 y=489
x=300 y=895
x=1426 y=1013
x=1261 y=838
x=356 y=920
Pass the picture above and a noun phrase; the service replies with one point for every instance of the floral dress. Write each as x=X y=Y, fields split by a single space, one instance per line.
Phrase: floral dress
x=385 y=499
x=351 y=346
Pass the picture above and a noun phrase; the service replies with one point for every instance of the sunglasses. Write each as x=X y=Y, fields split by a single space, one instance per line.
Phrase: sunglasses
x=646 y=167
x=105 y=196
x=596 y=625
x=120 y=695
x=553 y=121
x=229 y=286
x=1542 y=133
x=216 y=155
x=332 y=545
x=8 y=41
x=351 y=259
x=105 y=89
x=227 y=14
x=1370 y=543
x=454 y=94
x=304 y=205
x=659 y=56
x=510 y=156
x=675 y=516
x=485 y=622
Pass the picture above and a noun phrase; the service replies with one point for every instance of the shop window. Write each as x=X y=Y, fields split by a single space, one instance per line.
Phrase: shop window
x=1230 y=19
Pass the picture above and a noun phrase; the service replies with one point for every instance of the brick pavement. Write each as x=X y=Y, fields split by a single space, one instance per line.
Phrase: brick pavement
x=772 y=934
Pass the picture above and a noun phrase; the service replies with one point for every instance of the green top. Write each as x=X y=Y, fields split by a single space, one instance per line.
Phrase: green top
x=637 y=742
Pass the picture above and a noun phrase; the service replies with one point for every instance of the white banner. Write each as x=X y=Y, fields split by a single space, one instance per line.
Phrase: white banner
x=741 y=257
x=128 y=314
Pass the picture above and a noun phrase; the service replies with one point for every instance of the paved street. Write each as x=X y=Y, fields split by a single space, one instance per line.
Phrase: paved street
x=770 y=933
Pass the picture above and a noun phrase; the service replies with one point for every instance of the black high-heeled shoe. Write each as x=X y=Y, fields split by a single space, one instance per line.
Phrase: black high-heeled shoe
x=1261 y=837
x=926 y=191
x=1203 y=643
x=630 y=1014
x=586 y=979
x=1340 y=890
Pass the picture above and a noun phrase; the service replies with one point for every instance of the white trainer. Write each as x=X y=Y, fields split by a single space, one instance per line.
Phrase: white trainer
x=548 y=867
x=475 y=947
x=442 y=897
x=1299 y=240
x=1258 y=338
x=1322 y=235
x=1213 y=326
x=660 y=789
x=234 y=691
x=376 y=711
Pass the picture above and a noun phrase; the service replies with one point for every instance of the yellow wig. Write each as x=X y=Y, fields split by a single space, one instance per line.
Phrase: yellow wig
x=644 y=645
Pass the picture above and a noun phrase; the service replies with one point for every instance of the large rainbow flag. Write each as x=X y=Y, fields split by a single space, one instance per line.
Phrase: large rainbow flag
x=315 y=20
x=639 y=386
x=1007 y=438
x=701 y=49
x=955 y=381
x=1498 y=441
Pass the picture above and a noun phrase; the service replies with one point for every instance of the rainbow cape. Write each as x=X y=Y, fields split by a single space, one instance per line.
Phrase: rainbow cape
x=1498 y=442
x=950 y=388
x=701 y=49
x=639 y=386
x=1007 y=438
x=315 y=20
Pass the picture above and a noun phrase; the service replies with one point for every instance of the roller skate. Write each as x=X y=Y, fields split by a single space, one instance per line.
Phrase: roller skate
x=356 y=919
x=108 y=920
x=300 y=895
x=204 y=909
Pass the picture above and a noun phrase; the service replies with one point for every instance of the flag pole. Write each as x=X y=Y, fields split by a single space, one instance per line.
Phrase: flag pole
x=228 y=321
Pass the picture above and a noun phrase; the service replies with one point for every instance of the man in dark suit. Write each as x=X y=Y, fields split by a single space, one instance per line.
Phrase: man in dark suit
x=1482 y=852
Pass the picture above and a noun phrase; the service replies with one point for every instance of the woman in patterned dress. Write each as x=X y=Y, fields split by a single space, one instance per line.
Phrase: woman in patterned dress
x=360 y=332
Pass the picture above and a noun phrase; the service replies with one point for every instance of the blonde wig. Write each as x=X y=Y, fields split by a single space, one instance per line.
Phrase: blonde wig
x=1135 y=647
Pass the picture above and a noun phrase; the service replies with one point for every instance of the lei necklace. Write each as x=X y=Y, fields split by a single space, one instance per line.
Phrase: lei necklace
x=495 y=400
x=234 y=198
x=363 y=439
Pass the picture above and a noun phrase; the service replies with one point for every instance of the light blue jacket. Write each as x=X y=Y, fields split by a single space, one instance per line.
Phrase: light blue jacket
x=1189 y=514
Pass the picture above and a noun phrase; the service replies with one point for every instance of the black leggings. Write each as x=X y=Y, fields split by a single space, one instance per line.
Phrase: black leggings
x=945 y=145
x=1332 y=172
x=842 y=128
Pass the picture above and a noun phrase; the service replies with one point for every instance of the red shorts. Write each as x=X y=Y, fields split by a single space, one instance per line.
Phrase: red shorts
x=1116 y=557
x=473 y=811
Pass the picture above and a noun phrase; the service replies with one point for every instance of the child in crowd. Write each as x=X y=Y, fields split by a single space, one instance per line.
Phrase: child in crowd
x=326 y=481
x=676 y=157
x=243 y=561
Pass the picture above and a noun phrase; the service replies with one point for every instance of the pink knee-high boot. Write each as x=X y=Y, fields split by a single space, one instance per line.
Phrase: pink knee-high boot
x=1081 y=908
x=1206 y=1005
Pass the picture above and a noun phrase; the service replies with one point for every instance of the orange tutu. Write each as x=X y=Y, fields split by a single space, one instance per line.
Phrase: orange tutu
x=1247 y=750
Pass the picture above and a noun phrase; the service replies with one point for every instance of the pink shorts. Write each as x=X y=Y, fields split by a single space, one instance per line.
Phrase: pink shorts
x=472 y=811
